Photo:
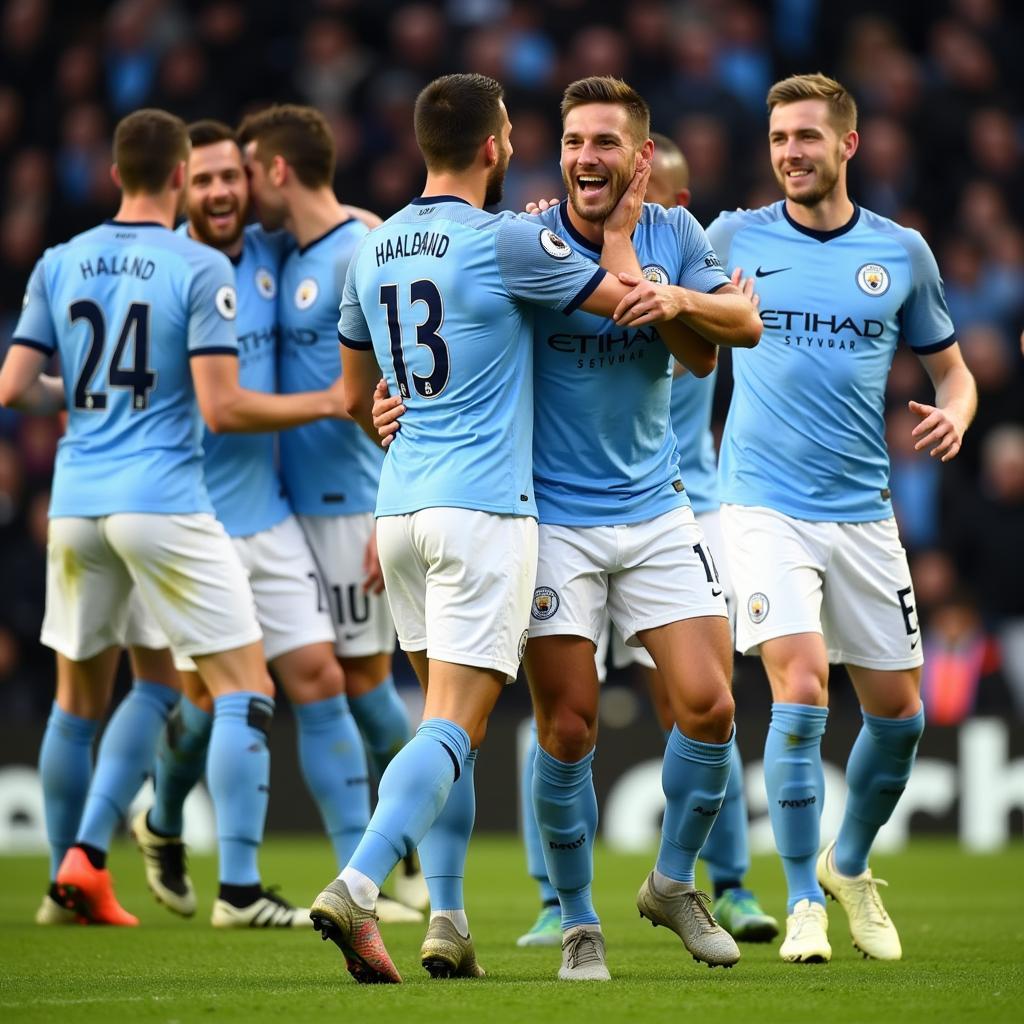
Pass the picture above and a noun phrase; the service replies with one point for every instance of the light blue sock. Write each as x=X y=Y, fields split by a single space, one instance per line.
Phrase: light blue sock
x=795 y=784
x=727 y=849
x=65 y=766
x=180 y=763
x=443 y=849
x=124 y=759
x=566 y=808
x=694 y=776
x=384 y=723
x=238 y=774
x=535 y=865
x=412 y=793
x=876 y=775
x=333 y=764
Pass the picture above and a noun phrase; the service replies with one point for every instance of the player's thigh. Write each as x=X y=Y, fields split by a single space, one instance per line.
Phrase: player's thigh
x=565 y=690
x=190 y=578
x=291 y=600
x=797 y=668
x=869 y=612
x=886 y=693
x=240 y=669
x=84 y=687
x=362 y=621
x=777 y=566
x=665 y=575
x=87 y=590
x=463 y=694
x=571 y=594
x=479 y=576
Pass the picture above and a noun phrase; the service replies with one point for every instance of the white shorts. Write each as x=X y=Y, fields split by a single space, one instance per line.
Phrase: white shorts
x=141 y=629
x=188 y=577
x=362 y=622
x=459 y=583
x=710 y=523
x=645 y=574
x=286 y=586
x=848 y=581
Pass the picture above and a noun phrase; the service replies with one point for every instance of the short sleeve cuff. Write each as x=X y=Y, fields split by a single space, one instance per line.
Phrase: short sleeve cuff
x=938 y=346
x=586 y=291
x=213 y=350
x=39 y=346
x=359 y=346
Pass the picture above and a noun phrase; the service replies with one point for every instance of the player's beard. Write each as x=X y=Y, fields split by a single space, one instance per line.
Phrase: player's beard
x=199 y=220
x=827 y=179
x=618 y=182
x=496 y=181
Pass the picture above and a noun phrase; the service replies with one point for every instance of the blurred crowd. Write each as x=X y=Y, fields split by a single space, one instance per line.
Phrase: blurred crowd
x=940 y=88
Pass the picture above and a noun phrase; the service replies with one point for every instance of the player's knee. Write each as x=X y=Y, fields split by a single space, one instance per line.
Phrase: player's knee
x=321 y=680
x=802 y=687
x=709 y=716
x=568 y=734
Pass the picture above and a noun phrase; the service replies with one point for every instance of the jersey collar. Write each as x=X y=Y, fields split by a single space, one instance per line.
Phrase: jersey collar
x=303 y=249
x=563 y=213
x=136 y=223
x=431 y=200
x=823 y=236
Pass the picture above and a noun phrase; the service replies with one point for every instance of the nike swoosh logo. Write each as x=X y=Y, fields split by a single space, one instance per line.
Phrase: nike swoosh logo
x=914 y=643
x=768 y=273
x=715 y=593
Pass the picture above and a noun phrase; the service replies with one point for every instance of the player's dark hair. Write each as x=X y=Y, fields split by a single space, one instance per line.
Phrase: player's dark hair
x=301 y=135
x=605 y=89
x=148 y=145
x=842 y=110
x=667 y=147
x=209 y=132
x=454 y=116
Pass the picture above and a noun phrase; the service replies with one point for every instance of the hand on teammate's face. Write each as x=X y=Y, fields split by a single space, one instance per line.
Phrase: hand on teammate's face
x=746 y=285
x=541 y=205
x=628 y=209
x=936 y=428
x=386 y=413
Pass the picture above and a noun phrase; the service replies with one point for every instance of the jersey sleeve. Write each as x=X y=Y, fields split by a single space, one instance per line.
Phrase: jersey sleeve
x=212 y=307
x=924 y=317
x=35 y=325
x=353 y=331
x=538 y=266
x=700 y=268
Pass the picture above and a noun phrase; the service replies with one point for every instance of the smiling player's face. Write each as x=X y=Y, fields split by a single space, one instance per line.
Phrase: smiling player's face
x=807 y=152
x=217 y=197
x=599 y=154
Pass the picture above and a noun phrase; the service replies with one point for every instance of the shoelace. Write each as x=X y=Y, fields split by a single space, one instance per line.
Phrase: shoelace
x=271 y=893
x=805 y=919
x=699 y=904
x=583 y=949
x=873 y=902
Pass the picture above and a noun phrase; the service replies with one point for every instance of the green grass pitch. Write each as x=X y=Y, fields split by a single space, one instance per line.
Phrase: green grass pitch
x=961 y=919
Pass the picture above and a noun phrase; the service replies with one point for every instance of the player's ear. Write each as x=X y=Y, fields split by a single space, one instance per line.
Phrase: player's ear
x=278 y=171
x=115 y=176
x=683 y=197
x=647 y=150
x=850 y=142
x=491 y=151
x=178 y=176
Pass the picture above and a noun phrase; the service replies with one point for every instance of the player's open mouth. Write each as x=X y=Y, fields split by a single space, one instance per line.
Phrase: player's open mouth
x=798 y=172
x=222 y=218
x=590 y=184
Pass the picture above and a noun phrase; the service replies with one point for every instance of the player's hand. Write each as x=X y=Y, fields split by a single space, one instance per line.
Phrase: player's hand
x=631 y=205
x=646 y=303
x=746 y=285
x=373 y=575
x=936 y=428
x=541 y=205
x=386 y=412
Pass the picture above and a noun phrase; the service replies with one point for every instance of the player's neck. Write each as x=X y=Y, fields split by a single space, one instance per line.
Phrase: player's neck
x=312 y=213
x=461 y=186
x=157 y=209
x=831 y=213
x=591 y=230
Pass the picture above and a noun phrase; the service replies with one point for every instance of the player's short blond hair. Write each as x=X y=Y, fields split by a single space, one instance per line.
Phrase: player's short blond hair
x=842 y=110
x=605 y=89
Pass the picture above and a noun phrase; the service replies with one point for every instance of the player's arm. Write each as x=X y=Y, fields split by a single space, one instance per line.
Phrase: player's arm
x=228 y=408
x=360 y=373
x=944 y=424
x=24 y=386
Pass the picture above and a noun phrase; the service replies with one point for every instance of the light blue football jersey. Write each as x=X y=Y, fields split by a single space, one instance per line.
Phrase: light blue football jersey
x=241 y=469
x=805 y=430
x=448 y=294
x=605 y=451
x=330 y=467
x=126 y=305
x=692 y=398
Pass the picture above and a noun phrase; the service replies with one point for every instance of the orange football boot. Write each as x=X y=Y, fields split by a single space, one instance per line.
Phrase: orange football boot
x=89 y=891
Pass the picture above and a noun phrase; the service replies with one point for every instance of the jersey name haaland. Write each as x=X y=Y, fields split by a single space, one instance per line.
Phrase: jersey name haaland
x=448 y=294
x=126 y=305
x=605 y=449
x=805 y=430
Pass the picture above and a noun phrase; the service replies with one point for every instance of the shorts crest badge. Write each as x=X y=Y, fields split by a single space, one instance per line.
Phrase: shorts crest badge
x=306 y=293
x=522 y=643
x=545 y=603
x=873 y=279
x=655 y=274
x=757 y=608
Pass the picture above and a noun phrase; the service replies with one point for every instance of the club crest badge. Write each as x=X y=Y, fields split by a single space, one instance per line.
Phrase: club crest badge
x=873 y=279
x=265 y=283
x=545 y=603
x=757 y=608
x=655 y=274
x=306 y=293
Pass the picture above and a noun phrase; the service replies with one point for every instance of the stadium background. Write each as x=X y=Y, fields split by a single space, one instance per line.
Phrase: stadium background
x=940 y=88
